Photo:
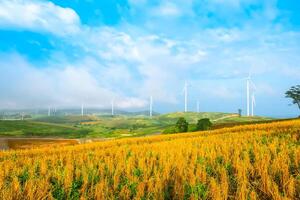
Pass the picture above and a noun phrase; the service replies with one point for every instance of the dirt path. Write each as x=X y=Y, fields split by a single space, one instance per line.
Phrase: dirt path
x=225 y=117
x=150 y=134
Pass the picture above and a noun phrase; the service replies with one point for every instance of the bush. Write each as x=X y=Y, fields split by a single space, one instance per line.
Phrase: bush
x=192 y=128
x=182 y=125
x=171 y=129
x=204 y=124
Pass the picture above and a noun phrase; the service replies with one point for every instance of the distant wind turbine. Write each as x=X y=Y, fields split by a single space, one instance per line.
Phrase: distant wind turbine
x=185 y=90
x=250 y=91
x=49 y=111
x=112 y=107
x=253 y=104
x=82 y=109
x=248 y=95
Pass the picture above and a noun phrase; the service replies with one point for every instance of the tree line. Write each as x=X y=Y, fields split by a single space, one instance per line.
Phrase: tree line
x=183 y=126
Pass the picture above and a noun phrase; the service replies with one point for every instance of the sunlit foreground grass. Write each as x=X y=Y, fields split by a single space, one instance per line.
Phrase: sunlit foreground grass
x=245 y=162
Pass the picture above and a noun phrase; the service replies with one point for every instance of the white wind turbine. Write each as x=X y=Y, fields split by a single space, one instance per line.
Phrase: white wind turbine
x=253 y=104
x=248 y=95
x=185 y=90
x=112 y=107
x=250 y=86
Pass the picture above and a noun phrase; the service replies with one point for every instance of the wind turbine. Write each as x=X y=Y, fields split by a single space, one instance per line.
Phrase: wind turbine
x=253 y=101
x=253 y=104
x=198 y=106
x=82 y=109
x=185 y=90
x=112 y=107
x=250 y=91
x=150 y=106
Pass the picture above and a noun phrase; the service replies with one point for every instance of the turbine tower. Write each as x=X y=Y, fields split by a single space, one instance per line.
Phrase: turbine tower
x=82 y=109
x=198 y=106
x=49 y=111
x=250 y=94
x=112 y=107
x=150 y=106
x=185 y=90
x=252 y=104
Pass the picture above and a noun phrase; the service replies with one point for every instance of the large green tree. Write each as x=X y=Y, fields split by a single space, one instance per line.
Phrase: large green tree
x=294 y=94
x=182 y=125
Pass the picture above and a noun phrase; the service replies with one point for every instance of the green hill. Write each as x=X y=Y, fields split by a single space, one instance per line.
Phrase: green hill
x=192 y=117
x=28 y=128
x=67 y=119
x=106 y=126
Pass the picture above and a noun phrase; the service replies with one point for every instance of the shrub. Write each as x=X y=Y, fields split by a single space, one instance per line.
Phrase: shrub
x=204 y=124
x=169 y=130
x=192 y=128
x=182 y=125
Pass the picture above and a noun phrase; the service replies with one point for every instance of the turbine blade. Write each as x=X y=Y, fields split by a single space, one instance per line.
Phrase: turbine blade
x=253 y=85
x=253 y=99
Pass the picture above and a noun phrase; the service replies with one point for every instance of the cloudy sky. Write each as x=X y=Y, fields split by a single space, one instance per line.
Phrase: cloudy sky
x=67 y=52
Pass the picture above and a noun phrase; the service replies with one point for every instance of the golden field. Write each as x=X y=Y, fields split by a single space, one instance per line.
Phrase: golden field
x=244 y=162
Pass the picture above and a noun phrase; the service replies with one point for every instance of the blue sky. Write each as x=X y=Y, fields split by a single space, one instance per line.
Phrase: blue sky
x=66 y=52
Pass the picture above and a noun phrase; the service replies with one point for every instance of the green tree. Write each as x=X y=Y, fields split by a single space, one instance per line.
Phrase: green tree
x=182 y=125
x=203 y=124
x=294 y=94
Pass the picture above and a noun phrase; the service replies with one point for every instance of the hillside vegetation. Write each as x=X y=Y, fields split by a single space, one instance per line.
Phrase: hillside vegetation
x=105 y=126
x=33 y=129
x=244 y=162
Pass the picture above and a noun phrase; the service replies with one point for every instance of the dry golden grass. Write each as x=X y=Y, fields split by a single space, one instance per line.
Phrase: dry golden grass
x=245 y=162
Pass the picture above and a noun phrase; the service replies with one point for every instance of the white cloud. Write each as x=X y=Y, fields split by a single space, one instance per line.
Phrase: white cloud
x=167 y=9
x=25 y=85
x=130 y=63
x=158 y=65
x=41 y=16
